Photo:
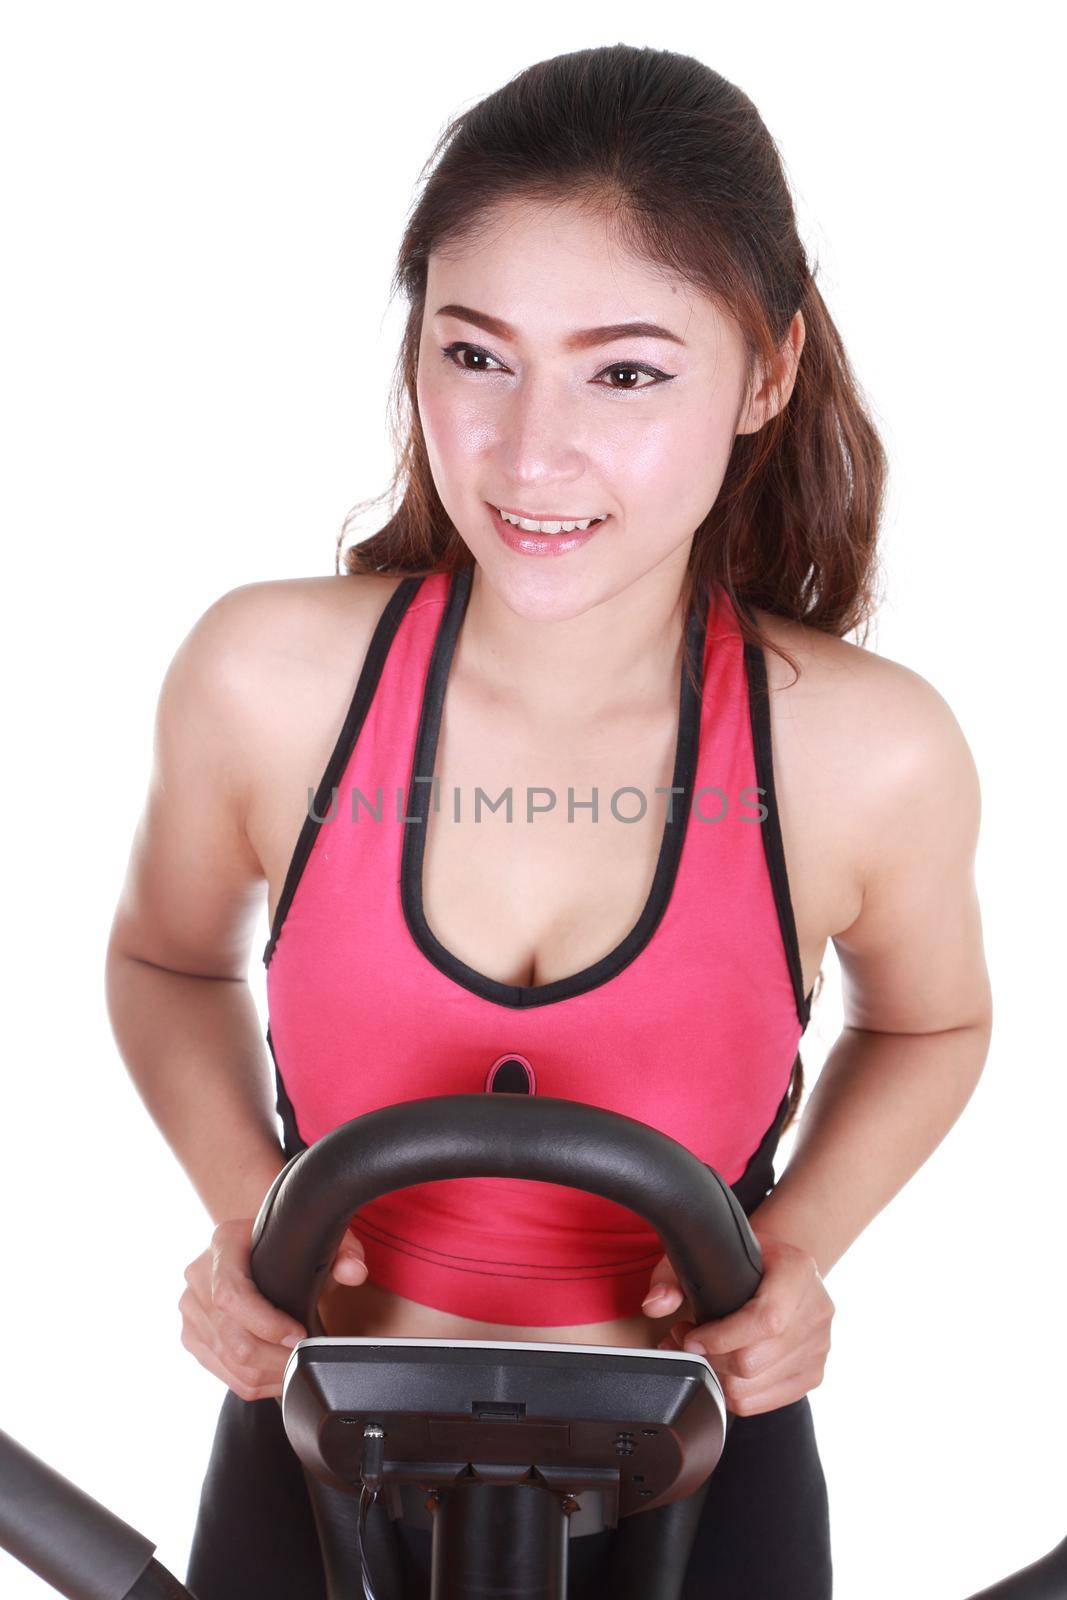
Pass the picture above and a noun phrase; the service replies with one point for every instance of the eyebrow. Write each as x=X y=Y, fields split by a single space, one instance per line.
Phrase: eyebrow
x=583 y=339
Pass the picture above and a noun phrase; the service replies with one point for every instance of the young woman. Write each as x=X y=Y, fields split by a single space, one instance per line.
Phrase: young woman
x=638 y=515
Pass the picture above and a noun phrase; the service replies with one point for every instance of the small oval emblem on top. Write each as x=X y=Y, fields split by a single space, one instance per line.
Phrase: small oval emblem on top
x=511 y=1074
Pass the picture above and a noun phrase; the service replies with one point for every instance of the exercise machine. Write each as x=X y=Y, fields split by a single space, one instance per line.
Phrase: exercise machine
x=504 y=1450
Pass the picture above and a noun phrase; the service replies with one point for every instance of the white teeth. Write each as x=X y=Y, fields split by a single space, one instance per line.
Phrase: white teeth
x=530 y=526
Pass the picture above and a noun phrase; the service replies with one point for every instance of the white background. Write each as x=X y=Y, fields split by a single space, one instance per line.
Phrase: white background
x=202 y=205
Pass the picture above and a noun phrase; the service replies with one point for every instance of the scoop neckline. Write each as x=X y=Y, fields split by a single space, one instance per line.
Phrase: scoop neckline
x=631 y=945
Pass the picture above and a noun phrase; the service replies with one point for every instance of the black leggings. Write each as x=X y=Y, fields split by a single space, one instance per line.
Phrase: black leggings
x=764 y=1533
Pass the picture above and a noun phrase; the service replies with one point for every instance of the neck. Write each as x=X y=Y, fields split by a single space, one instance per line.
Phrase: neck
x=624 y=651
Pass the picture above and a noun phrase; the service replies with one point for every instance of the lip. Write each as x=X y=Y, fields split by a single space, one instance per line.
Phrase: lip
x=541 y=544
x=546 y=516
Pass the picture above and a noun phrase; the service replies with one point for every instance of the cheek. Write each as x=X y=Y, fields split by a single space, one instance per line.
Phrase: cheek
x=655 y=459
x=454 y=427
x=668 y=474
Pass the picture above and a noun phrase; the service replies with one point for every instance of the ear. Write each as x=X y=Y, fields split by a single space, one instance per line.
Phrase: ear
x=775 y=381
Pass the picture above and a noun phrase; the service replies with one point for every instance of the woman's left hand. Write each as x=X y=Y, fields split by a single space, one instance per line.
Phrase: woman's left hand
x=773 y=1350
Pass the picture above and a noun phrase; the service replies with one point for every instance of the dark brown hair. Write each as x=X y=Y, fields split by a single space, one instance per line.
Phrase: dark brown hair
x=680 y=163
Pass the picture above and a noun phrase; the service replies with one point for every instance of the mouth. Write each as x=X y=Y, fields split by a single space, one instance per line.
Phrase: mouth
x=549 y=536
x=549 y=523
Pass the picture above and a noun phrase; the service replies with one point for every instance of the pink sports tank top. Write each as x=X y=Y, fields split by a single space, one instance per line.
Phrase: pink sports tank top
x=691 y=1024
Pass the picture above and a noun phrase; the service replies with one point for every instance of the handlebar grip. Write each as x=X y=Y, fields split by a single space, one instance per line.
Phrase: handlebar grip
x=302 y=1219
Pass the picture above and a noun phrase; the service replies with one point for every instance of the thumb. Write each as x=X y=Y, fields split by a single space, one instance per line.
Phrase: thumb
x=348 y=1264
x=664 y=1291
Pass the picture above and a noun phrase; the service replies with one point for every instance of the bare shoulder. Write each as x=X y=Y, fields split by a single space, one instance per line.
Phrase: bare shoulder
x=860 y=740
x=856 y=700
x=287 y=622
x=275 y=644
x=275 y=663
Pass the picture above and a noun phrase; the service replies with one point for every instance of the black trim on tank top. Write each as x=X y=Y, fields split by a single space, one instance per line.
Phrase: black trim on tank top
x=523 y=996
x=377 y=651
x=292 y=1141
x=757 y=1180
x=759 y=710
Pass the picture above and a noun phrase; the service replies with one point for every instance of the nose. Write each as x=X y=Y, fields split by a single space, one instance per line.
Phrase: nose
x=538 y=436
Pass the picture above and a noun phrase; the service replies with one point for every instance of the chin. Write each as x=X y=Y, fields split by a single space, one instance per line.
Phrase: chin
x=545 y=593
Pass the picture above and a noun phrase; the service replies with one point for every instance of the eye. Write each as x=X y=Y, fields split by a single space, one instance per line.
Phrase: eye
x=632 y=367
x=461 y=348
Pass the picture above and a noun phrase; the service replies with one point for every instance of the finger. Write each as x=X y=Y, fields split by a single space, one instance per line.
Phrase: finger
x=751 y=1361
x=244 y=1352
x=766 y=1316
x=803 y=1337
x=809 y=1356
x=662 y=1299
x=244 y=1390
x=197 y=1336
x=235 y=1295
x=675 y=1335
x=349 y=1265
x=804 y=1364
x=664 y=1292
x=241 y=1353
x=755 y=1397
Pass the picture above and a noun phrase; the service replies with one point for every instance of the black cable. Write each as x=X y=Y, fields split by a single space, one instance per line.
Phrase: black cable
x=370 y=1473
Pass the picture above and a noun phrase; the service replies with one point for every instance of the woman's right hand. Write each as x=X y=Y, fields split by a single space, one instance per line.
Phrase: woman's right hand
x=233 y=1330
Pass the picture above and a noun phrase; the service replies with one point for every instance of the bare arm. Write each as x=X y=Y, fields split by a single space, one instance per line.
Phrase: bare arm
x=176 y=973
x=918 y=1010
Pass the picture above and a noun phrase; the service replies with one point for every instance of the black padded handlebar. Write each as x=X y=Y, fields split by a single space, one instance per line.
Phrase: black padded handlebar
x=1041 y=1580
x=85 y=1552
x=57 y=1530
x=302 y=1219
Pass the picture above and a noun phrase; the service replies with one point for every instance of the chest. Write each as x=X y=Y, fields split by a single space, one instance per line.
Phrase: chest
x=520 y=878
x=638 y=965
x=541 y=854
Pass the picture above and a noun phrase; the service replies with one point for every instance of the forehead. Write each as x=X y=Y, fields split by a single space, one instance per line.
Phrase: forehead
x=549 y=270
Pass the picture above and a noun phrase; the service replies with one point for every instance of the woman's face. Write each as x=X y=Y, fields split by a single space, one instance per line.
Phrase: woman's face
x=519 y=411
